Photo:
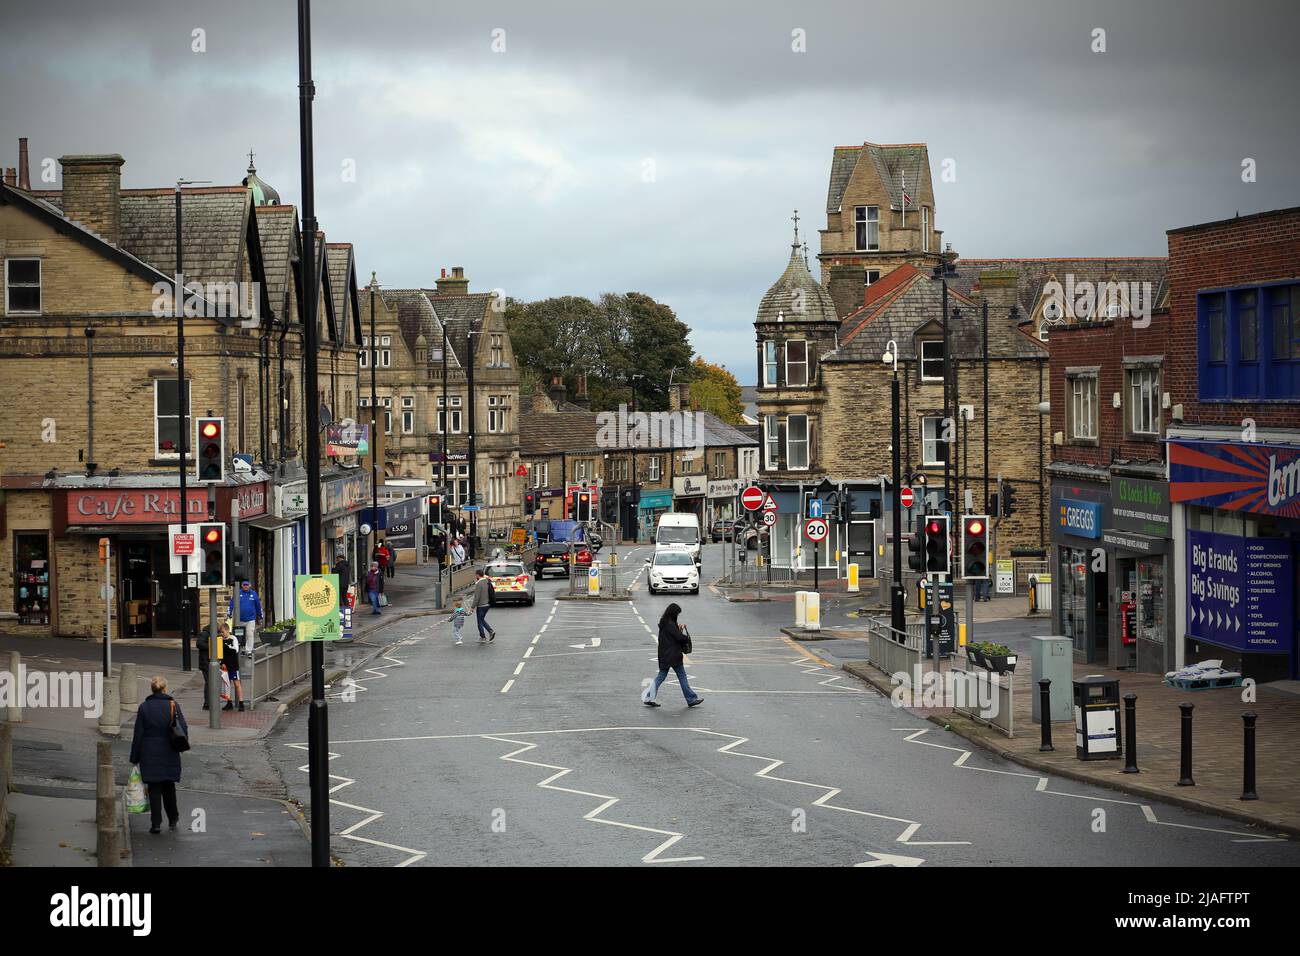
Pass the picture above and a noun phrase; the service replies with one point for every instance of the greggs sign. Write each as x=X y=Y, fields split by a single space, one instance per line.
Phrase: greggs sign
x=1256 y=477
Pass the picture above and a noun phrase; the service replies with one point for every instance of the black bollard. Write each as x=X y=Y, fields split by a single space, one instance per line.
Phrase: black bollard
x=1248 y=769
x=1130 y=733
x=1045 y=713
x=1185 y=771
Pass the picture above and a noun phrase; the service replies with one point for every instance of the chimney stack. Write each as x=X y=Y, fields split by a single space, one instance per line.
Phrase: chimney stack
x=24 y=175
x=557 y=391
x=11 y=176
x=581 y=397
x=679 y=397
x=846 y=288
x=455 y=284
x=92 y=193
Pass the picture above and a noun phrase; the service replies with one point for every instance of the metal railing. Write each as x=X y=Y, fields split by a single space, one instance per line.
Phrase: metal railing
x=276 y=666
x=984 y=696
x=895 y=652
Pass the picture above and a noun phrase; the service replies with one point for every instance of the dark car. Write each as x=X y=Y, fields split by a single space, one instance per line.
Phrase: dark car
x=723 y=530
x=555 y=558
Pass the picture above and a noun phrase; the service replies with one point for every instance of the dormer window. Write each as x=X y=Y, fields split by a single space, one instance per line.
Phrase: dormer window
x=932 y=360
x=866 y=221
x=796 y=363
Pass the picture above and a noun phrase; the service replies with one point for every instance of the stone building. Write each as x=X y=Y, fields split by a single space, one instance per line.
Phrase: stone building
x=89 y=271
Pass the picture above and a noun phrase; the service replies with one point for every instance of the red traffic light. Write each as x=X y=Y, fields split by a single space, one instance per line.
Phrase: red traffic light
x=210 y=429
x=975 y=527
x=933 y=527
x=212 y=535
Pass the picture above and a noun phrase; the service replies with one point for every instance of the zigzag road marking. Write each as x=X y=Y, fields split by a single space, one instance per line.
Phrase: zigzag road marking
x=594 y=816
x=414 y=856
x=1041 y=786
x=377 y=673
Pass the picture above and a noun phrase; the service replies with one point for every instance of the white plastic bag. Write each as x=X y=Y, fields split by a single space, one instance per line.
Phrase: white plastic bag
x=136 y=800
x=225 y=683
x=648 y=692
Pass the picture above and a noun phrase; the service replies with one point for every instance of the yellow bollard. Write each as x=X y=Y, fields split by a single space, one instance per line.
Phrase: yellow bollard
x=853 y=577
x=961 y=634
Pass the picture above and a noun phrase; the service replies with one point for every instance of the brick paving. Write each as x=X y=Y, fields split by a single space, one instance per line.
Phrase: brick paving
x=1217 y=744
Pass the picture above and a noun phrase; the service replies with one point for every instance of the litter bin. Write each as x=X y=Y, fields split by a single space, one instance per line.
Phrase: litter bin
x=1096 y=718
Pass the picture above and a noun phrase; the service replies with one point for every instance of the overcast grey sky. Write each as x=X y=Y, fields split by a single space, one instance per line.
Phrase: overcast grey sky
x=528 y=166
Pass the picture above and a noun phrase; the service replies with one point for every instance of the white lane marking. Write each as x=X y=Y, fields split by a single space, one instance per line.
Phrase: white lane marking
x=1042 y=782
x=518 y=668
x=529 y=652
x=593 y=816
x=539 y=633
x=536 y=637
x=509 y=684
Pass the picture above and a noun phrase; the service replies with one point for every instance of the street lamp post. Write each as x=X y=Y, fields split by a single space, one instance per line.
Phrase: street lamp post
x=897 y=615
x=473 y=457
x=374 y=424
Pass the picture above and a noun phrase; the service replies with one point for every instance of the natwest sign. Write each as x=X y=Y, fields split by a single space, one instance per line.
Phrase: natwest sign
x=144 y=506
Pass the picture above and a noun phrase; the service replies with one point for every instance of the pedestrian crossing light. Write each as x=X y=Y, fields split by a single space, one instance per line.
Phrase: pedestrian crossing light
x=975 y=546
x=1008 y=500
x=210 y=450
x=582 y=506
x=936 y=545
x=916 y=546
x=212 y=539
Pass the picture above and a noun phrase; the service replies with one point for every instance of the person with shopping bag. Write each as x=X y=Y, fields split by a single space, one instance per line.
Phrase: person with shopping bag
x=230 y=661
x=674 y=645
x=161 y=734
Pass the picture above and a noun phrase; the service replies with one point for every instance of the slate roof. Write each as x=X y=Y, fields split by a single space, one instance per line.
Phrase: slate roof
x=277 y=226
x=797 y=287
x=461 y=313
x=1033 y=274
x=918 y=302
x=416 y=316
x=343 y=288
x=891 y=162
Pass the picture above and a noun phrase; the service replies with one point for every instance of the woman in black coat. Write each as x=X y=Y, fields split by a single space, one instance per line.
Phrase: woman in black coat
x=674 y=643
x=151 y=748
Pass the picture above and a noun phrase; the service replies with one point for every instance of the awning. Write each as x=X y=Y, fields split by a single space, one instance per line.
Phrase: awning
x=269 y=523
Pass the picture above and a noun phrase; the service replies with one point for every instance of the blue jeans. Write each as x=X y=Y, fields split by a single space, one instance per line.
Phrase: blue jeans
x=374 y=601
x=680 y=671
x=480 y=615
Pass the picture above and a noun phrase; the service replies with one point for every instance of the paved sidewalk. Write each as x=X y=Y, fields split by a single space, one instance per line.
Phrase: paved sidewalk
x=1217 y=743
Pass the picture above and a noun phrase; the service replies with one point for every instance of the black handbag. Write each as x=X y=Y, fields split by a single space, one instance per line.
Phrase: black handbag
x=179 y=740
x=686 y=642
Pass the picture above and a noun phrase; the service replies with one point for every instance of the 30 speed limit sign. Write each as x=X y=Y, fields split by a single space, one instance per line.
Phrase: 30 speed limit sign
x=816 y=529
x=769 y=518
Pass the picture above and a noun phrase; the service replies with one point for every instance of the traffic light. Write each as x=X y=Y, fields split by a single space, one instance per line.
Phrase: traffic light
x=238 y=561
x=582 y=506
x=212 y=541
x=975 y=546
x=210 y=450
x=1008 y=501
x=530 y=502
x=936 y=545
x=916 y=546
x=435 y=508
x=993 y=505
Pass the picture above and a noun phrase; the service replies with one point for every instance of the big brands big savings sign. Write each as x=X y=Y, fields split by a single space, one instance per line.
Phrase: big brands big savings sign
x=1081 y=518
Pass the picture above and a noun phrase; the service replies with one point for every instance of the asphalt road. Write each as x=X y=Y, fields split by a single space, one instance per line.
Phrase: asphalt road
x=536 y=750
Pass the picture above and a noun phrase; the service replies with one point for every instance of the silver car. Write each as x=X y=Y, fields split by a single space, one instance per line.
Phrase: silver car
x=511 y=582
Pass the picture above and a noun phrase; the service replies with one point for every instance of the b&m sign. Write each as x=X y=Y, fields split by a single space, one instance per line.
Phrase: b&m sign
x=1258 y=477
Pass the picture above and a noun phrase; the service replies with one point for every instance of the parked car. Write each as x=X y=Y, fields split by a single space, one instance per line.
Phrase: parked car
x=553 y=557
x=673 y=569
x=511 y=583
x=723 y=530
x=754 y=537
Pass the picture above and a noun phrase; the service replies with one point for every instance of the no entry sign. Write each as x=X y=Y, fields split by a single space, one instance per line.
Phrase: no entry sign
x=905 y=497
x=752 y=498
x=816 y=529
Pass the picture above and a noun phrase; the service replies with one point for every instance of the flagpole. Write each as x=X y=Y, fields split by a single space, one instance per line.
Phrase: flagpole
x=904 y=199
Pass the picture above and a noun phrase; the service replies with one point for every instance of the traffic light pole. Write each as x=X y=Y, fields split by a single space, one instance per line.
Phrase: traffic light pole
x=183 y=407
x=215 y=650
x=897 y=613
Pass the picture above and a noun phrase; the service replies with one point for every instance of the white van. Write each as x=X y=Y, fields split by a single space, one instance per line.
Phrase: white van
x=679 y=531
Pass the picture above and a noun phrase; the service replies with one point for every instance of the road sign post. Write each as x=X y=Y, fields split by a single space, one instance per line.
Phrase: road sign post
x=752 y=498
x=816 y=530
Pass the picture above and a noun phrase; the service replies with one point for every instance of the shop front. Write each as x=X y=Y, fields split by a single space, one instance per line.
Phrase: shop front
x=651 y=505
x=402 y=525
x=689 y=496
x=1080 y=569
x=722 y=494
x=342 y=499
x=1236 y=526
x=1137 y=539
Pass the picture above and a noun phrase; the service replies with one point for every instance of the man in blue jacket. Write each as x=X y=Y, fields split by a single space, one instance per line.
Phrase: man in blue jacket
x=250 y=611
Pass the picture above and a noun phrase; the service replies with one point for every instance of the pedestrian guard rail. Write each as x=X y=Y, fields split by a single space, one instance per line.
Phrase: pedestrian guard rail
x=276 y=666
x=892 y=651
x=985 y=697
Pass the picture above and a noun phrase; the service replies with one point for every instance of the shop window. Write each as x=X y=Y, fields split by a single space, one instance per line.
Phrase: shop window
x=32 y=578
x=1074 y=596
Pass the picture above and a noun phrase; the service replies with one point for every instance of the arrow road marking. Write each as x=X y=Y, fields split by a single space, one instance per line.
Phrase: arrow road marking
x=595 y=642
x=889 y=859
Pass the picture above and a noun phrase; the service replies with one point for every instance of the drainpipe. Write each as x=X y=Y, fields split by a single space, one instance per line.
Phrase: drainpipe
x=90 y=401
